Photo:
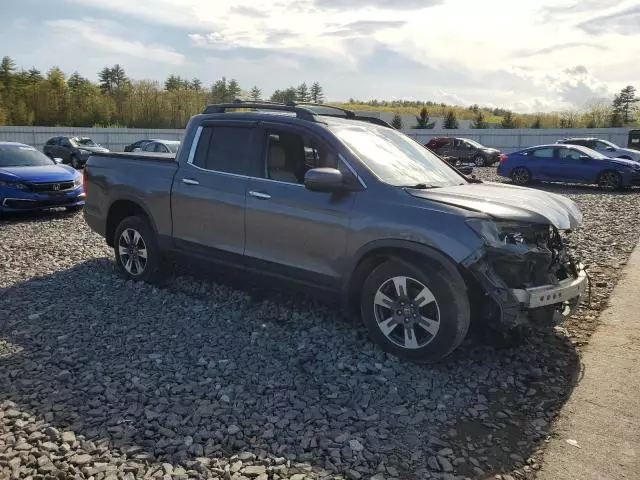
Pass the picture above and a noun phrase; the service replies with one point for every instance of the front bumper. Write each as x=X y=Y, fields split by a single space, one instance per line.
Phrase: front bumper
x=16 y=202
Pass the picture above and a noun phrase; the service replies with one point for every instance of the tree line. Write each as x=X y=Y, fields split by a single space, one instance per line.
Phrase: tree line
x=53 y=99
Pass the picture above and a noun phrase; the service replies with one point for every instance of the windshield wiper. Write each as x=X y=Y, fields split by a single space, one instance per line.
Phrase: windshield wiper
x=420 y=186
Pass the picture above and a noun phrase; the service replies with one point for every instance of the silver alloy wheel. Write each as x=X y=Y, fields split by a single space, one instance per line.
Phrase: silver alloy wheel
x=520 y=176
x=609 y=180
x=406 y=312
x=132 y=251
x=479 y=161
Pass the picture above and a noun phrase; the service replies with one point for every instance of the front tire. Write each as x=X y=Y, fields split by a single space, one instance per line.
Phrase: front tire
x=420 y=314
x=75 y=162
x=480 y=161
x=136 y=250
x=610 y=181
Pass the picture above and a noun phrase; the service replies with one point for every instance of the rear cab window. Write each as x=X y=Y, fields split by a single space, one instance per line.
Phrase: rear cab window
x=226 y=148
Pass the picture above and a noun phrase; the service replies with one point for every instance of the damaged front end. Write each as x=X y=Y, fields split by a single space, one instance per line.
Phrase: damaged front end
x=523 y=273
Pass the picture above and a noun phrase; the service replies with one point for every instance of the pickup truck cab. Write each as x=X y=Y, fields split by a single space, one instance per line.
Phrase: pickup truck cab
x=410 y=245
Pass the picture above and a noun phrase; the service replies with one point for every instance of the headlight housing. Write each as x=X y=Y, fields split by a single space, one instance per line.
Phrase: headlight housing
x=77 y=182
x=501 y=234
x=14 y=185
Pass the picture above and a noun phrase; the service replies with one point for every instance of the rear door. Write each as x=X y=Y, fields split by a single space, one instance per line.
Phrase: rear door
x=542 y=163
x=291 y=231
x=64 y=148
x=209 y=191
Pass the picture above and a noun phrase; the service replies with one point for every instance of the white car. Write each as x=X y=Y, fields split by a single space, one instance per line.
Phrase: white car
x=605 y=147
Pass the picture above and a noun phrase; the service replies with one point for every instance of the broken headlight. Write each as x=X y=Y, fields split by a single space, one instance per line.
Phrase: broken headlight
x=500 y=233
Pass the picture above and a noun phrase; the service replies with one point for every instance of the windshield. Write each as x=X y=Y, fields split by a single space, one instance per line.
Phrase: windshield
x=474 y=143
x=591 y=153
x=172 y=146
x=606 y=143
x=395 y=158
x=22 y=156
x=83 y=142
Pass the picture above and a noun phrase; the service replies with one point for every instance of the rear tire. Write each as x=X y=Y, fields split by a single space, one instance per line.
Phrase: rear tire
x=521 y=176
x=480 y=161
x=610 y=181
x=420 y=314
x=136 y=250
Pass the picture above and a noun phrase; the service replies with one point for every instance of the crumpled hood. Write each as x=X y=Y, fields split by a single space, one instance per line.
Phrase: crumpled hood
x=45 y=173
x=508 y=202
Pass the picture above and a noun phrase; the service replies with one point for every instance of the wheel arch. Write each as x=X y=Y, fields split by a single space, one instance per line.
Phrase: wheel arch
x=375 y=253
x=121 y=209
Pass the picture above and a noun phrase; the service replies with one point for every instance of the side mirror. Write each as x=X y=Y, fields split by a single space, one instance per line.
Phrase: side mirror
x=610 y=149
x=57 y=160
x=324 y=180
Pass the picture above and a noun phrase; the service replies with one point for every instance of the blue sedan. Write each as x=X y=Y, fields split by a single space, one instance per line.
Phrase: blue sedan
x=570 y=164
x=29 y=180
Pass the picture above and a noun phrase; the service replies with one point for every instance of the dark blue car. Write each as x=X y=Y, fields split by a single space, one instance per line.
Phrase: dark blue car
x=570 y=164
x=29 y=180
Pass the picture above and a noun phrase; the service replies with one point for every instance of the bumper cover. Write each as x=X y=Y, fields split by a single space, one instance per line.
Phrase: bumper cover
x=41 y=202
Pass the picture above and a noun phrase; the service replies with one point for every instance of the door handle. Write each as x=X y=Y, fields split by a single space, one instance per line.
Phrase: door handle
x=189 y=181
x=260 y=195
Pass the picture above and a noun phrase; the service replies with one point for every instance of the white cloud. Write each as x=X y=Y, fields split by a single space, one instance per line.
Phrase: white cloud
x=108 y=37
x=502 y=52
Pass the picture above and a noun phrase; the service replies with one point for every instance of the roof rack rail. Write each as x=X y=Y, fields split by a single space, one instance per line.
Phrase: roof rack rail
x=300 y=112
x=347 y=113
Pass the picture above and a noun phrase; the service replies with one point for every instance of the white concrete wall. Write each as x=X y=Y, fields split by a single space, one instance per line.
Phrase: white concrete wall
x=114 y=139
x=506 y=140
x=510 y=140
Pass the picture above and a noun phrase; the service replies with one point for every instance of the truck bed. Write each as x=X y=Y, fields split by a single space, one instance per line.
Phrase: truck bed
x=156 y=157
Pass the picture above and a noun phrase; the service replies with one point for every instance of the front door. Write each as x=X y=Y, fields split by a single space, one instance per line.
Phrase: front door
x=291 y=231
x=209 y=192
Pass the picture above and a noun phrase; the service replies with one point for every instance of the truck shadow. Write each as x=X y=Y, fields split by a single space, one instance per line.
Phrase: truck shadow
x=203 y=369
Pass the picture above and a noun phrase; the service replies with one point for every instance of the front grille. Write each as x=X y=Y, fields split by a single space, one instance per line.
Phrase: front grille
x=51 y=187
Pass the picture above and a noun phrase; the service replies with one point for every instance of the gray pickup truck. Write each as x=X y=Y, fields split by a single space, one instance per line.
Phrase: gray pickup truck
x=414 y=248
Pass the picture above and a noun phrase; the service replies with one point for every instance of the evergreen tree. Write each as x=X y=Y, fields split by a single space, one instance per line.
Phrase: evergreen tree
x=624 y=104
x=450 y=121
x=302 y=93
x=255 y=94
x=479 y=121
x=396 y=122
x=507 y=120
x=615 y=120
x=196 y=85
x=173 y=83
x=285 y=96
x=317 y=95
x=233 y=90
x=7 y=68
x=423 y=120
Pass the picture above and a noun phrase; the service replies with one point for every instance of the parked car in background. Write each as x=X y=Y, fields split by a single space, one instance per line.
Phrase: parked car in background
x=161 y=146
x=72 y=150
x=605 y=147
x=137 y=146
x=344 y=206
x=464 y=149
x=29 y=180
x=568 y=163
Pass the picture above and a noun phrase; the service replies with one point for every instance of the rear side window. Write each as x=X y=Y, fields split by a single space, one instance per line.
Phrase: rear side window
x=52 y=141
x=225 y=149
x=543 y=153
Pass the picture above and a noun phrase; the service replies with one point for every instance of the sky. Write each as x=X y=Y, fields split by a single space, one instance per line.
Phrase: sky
x=527 y=55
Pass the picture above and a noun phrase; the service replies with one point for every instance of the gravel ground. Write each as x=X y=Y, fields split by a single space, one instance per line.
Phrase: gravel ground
x=101 y=378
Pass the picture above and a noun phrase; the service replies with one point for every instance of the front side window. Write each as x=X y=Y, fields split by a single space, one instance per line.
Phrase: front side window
x=149 y=147
x=570 y=154
x=23 y=156
x=225 y=149
x=604 y=144
x=289 y=155
x=395 y=158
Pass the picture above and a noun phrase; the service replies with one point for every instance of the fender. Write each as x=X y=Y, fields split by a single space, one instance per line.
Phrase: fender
x=385 y=244
x=136 y=201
